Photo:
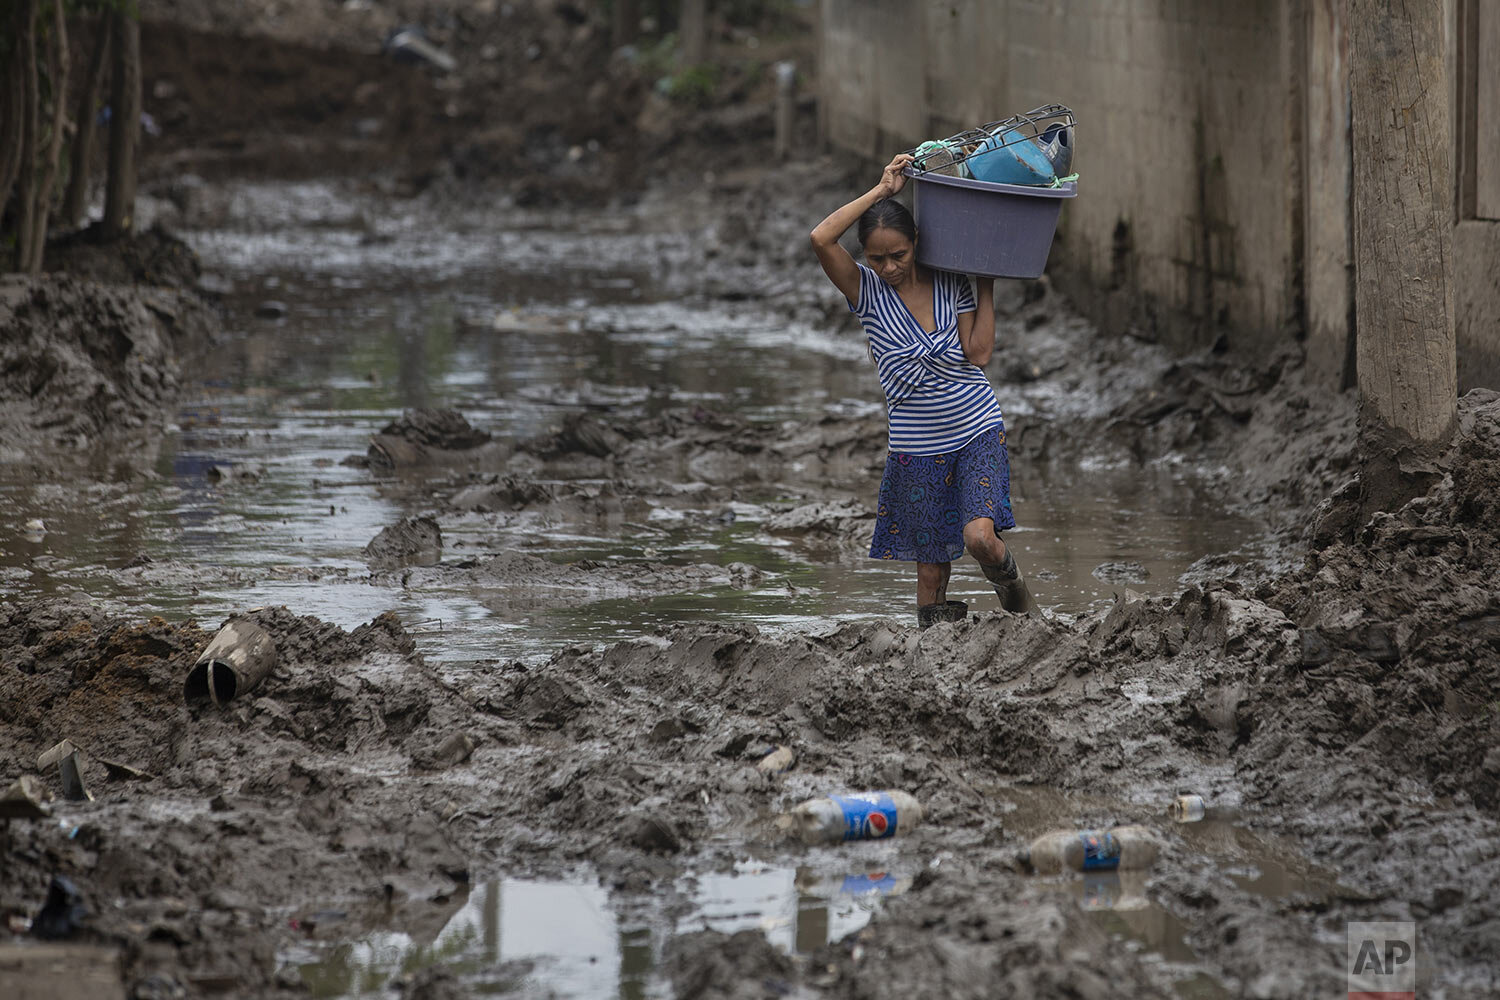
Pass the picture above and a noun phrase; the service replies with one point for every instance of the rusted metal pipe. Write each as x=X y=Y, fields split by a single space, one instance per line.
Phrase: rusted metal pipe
x=239 y=657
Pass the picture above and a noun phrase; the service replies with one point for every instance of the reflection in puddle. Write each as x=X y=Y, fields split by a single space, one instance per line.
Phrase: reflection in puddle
x=570 y=937
x=1256 y=863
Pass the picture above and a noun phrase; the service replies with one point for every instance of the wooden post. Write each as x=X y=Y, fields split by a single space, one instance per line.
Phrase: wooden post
x=786 y=107
x=124 y=124
x=1403 y=232
x=692 y=32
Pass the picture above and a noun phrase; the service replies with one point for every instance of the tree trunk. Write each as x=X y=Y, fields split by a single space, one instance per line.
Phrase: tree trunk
x=124 y=124
x=11 y=114
x=26 y=51
x=692 y=32
x=57 y=63
x=75 y=202
x=1403 y=239
x=626 y=23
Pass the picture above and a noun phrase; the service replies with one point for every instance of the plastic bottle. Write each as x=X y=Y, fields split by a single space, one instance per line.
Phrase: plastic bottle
x=860 y=816
x=1122 y=847
x=1187 y=808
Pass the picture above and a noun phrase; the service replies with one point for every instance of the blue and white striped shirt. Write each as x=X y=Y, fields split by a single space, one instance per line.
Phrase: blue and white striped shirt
x=936 y=400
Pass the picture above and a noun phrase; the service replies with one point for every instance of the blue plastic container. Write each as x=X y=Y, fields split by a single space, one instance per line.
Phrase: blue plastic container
x=1010 y=158
x=992 y=230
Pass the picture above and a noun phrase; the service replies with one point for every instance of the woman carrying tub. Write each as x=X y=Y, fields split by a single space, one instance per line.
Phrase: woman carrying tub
x=947 y=475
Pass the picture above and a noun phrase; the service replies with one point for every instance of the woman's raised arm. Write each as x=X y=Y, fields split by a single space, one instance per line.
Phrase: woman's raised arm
x=837 y=263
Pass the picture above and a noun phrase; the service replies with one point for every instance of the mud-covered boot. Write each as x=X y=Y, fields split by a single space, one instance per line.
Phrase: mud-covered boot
x=1010 y=587
x=929 y=615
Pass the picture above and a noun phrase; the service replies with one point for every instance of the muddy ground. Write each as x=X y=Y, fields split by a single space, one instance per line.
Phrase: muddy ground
x=1336 y=704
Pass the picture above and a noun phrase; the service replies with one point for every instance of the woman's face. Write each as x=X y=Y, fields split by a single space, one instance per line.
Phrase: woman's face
x=890 y=255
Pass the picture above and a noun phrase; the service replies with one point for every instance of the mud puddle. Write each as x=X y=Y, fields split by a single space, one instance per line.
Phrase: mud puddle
x=1120 y=902
x=572 y=937
x=345 y=310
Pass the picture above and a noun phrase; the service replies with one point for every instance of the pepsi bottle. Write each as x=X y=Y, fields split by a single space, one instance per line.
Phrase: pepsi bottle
x=1122 y=848
x=860 y=816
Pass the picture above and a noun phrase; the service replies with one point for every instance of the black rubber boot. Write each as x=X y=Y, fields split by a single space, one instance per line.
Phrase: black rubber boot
x=929 y=615
x=1010 y=587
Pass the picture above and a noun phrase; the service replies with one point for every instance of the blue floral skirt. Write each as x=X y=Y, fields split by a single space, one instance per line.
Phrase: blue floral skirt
x=925 y=500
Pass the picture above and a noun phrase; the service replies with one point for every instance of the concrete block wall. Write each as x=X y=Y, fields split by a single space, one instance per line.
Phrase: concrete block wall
x=1213 y=147
x=1186 y=154
x=1183 y=226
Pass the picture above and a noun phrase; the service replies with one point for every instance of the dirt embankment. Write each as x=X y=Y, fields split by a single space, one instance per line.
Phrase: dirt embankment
x=92 y=366
x=251 y=814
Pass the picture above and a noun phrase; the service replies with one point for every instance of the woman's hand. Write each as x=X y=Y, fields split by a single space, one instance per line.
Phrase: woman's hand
x=892 y=180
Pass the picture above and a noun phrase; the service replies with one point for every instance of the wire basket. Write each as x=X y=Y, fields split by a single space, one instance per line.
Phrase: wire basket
x=1048 y=129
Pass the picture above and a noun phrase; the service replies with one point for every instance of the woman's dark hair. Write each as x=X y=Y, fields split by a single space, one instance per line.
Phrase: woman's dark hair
x=887 y=213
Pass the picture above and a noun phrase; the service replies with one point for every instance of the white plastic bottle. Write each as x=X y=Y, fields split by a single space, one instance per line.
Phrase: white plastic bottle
x=1187 y=808
x=1122 y=847
x=860 y=816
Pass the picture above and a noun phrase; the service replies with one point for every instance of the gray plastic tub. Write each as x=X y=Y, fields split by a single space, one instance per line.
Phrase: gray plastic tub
x=993 y=230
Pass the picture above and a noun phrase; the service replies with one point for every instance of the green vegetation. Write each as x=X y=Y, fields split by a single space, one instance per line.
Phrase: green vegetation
x=693 y=85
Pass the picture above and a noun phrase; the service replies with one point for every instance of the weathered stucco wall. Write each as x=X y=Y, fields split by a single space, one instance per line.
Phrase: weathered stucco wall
x=1183 y=224
x=1213 y=148
x=1188 y=211
x=1476 y=279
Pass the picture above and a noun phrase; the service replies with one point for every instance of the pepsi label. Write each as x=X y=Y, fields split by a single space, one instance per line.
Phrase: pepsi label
x=864 y=885
x=1100 y=851
x=867 y=816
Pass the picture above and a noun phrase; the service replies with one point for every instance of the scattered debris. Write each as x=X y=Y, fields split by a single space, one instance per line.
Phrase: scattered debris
x=63 y=912
x=240 y=656
x=1187 y=808
x=124 y=772
x=1122 y=847
x=65 y=756
x=73 y=787
x=777 y=761
x=52 y=757
x=862 y=816
x=410 y=44
x=25 y=799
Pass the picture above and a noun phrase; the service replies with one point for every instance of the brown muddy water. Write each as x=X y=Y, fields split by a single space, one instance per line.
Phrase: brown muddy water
x=385 y=312
x=250 y=503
